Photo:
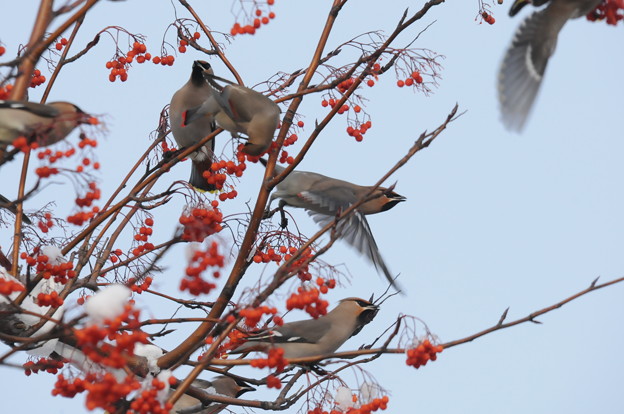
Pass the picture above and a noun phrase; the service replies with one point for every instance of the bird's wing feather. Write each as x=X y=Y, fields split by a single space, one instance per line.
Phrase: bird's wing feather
x=46 y=111
x=307 y=331
x=356 y=231
x=524 y=65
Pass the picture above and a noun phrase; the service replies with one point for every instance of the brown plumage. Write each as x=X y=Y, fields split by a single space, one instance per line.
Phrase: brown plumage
x=314 y=337
x=44 y=123
x=323 y=197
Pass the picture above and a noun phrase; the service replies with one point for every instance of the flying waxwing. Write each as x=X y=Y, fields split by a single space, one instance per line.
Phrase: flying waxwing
x=44 y=123
x=314 y=337
x=6 y=203
x=525 y=61
x=240 y=110
x=220 y=385
x=192 y=94
x=323 y=197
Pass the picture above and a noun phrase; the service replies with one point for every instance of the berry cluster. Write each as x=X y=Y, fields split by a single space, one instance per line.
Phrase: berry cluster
x=61 y=271
x=90 y=340
x=103 y=391
x=8 y=286
x=253 y=315
x=285 y=253
x=37 y=79
x=5 y=90
x=273 y=382
x=51 y=366
x=49 y=299
x=255 y=24
x=201 y=222
x=200 y=261
x=61 y=44
x=147 y=402
x=374 y=405
x=489 y=19
x=415 y=77
x=309 y=300
x=119 y=66
x=359 y=131
x=218 y=174
x=612 y=11
x=82 y=216
x=420 y=355
x=275 y=359
x=147 y=282
x=142 y=236
x=184 y=42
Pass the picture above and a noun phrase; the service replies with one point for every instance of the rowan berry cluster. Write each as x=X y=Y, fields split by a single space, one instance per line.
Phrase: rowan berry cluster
x=51 y=299
x=51 y=366
x=81 y=217
x=5 y=90
x=61 y=44
x=184 y=42
x=415 y=77
x=374 y=405
x=273 y=382
x=148 y=403
x=119 y=66
x=271 y=255
x=218 y=174
x=489 y=19
x=261 y=18
x=253 y=315
x=142 y=236
x=90 y=339
x=201 y=222
x=309 y=300
x=8 y=286
x=37 y=79
x=275 y=359
x=200 y=261
x=612 y=11
x=136 y=288
x=359 y=131
x=423 y=353
x=103 y=391
x=60 y=271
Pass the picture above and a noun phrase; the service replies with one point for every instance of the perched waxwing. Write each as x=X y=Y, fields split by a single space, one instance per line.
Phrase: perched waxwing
x=238 y=109
x=221 y=385
x=6 y=203
x=44 y=123
x=192 y=94
x=323 y=197
x=314 y=337
x=525 y=61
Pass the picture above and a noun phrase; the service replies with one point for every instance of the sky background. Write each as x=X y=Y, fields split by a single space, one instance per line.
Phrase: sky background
x=493 y=219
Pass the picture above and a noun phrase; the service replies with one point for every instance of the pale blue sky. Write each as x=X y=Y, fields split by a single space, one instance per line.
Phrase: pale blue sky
x=493 y=219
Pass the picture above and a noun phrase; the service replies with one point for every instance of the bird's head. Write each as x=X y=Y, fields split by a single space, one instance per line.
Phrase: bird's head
x=365 y=310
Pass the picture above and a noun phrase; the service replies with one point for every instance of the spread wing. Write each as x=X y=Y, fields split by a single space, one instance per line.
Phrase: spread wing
x=523 y=67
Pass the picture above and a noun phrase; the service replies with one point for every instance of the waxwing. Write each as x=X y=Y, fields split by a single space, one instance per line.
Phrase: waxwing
x=221 y=385
x=525 y=61
x=44 y=123
x=314 y=337
x=238 y=109
x=194 y=93
x=323 y=197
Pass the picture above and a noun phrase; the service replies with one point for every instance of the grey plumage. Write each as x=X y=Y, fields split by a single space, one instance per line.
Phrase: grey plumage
x=192 y=94
x=323 y=197
x=239 y=109
x=44 y=123
x=221 y=385
x=313 y=337
x=525 y=61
